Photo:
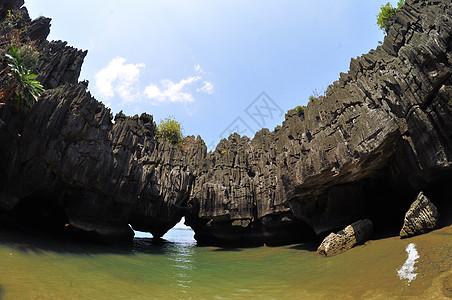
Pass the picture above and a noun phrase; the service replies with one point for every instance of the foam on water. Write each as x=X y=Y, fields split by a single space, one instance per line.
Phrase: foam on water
x=408 y=268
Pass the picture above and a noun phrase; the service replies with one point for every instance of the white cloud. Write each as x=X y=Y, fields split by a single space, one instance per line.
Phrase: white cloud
x=206 y=88
x=170 y=91
x=198 y=69
x=120 y=79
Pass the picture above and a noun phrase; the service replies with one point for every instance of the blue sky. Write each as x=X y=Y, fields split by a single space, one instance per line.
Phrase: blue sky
x=215 y=66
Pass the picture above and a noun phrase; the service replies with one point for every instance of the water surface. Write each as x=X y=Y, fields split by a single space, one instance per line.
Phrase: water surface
x=177 y=269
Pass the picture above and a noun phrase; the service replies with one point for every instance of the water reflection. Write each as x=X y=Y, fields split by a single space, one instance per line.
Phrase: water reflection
x=174 y=239
x=178 y=248
x=182 y=258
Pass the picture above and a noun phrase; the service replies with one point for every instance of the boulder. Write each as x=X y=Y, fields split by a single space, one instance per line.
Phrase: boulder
x=356 y=233
x=422 y=217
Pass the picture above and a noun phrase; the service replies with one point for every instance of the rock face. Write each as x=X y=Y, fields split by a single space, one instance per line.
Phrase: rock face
x=381 y=133
x=10 y=4
x=59 y=64
x=356 y=233
x=102 y=176
x=422 y=217
x=39 y=29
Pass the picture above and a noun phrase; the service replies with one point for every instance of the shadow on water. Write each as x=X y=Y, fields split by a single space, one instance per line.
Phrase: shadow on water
x=228 y=249
x=2 y=292
x=40 y=243
x=311 y=246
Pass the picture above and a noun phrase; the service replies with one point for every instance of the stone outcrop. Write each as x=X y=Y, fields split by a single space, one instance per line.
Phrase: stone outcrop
x=380 y=134
x=39 y=29
x=59 y=64
x=356 y=233
x=422 y=217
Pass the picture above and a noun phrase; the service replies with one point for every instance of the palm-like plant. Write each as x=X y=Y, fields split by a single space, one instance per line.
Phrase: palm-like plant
x=25 y=86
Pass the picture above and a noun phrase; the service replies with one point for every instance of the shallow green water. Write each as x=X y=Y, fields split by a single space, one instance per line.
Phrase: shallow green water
x=180 y=270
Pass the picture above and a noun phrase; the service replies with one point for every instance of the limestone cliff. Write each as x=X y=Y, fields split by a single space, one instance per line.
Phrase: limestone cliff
x=381 y=134
x=66 y=162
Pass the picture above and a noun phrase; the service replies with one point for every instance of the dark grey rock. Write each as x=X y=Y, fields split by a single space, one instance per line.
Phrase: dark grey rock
x=39 y=29
x=104 y=175
x=58 y=63
x=10 y=4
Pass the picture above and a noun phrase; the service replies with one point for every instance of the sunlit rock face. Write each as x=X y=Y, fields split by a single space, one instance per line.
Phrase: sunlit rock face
x=381 y=134
x=354 y=234
x=422 y=217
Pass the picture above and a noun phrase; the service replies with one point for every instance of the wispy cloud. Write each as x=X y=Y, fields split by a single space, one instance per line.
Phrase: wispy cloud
x=199 y=69
x=118 y=78
x=170 y=91
x=206 y=88
x=122 y=79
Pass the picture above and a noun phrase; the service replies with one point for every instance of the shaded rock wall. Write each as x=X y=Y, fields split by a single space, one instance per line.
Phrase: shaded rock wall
x=106 y=175
x=380 y=135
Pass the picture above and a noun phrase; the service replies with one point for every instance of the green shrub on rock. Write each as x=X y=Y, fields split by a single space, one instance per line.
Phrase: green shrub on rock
x=29 y=56
x=23 y=85
x=385 y=15
x=12 y=19
x=170 y=130
x=300 y=108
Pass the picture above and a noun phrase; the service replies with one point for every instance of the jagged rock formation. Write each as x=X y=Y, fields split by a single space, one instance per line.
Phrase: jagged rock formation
x=422 y=217
x=39 y=29
x=380 y=135
x=66 y=162
x=59 y=64
x=101 y=175
x=356 y=233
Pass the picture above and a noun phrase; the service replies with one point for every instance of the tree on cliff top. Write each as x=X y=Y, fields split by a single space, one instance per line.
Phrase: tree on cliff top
x=385 y=15
x=170 y=130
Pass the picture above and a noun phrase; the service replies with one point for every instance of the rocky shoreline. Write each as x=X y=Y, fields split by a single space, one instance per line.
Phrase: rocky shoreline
x=381 y=134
